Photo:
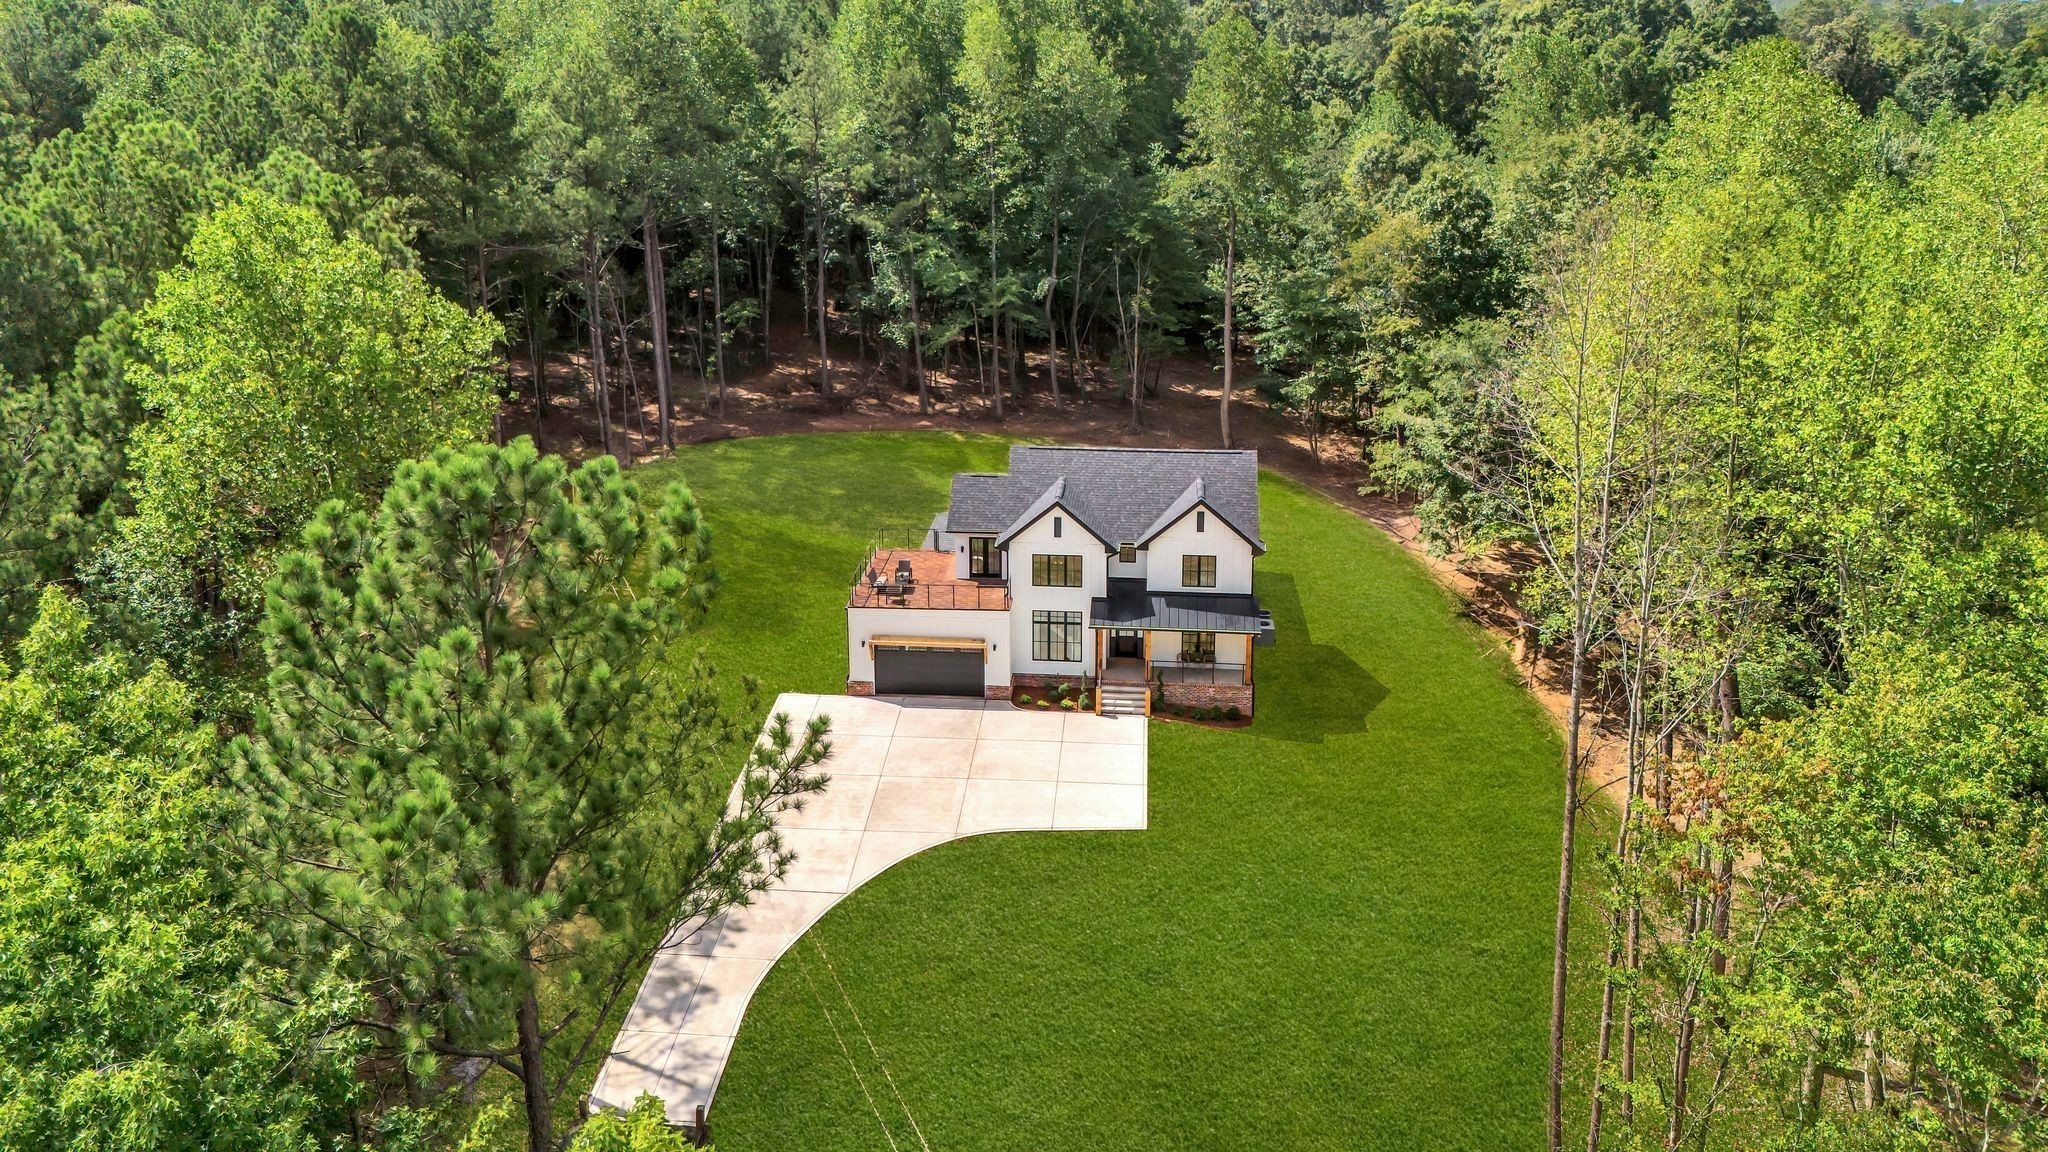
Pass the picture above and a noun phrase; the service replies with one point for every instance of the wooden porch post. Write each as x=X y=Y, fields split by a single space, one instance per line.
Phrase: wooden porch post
x=1146 y=673
x=1098 y=671
x=1248 y=659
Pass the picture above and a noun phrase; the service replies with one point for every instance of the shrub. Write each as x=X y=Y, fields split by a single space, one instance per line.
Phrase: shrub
x=1024 y=699
x=1234 y=712
x=1060 y=690
x=1045 y=703
x=1067 y=704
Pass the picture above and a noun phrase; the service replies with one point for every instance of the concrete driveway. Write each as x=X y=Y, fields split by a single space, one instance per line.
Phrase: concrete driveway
x=906 y=773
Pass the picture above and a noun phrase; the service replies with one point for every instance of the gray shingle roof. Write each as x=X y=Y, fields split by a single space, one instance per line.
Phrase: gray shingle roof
x=1120 y=494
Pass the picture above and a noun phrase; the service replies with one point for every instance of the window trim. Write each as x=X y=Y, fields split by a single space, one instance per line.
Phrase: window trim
x=1127 y=553
x=1201 y=520
x=1070 y=570
x=1193 y=568
x=1061 y=631
x=989 y=558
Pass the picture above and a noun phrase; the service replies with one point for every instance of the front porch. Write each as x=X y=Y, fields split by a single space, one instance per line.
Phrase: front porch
x=1182 y=668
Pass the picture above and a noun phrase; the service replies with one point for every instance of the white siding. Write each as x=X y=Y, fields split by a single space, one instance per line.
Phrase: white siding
x=1118 y=570
x=1233 y=555
x=862 y=624
x=1026 y=599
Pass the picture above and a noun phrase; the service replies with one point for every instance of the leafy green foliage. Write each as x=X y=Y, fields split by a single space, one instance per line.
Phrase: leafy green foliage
x=484 y=761
x=644 y=1129
x=133 y=1015
x=288 y=368
x=1899 y=833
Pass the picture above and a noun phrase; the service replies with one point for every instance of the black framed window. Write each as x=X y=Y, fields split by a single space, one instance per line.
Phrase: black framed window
x=1198 y=647
x=1127 y=553
x=1201 y=521
x=982 y=557
x=1055 y=571
x=1198 y=571
x=1056 y=637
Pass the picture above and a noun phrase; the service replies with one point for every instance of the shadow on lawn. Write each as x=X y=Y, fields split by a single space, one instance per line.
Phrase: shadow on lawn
x=1308 y=692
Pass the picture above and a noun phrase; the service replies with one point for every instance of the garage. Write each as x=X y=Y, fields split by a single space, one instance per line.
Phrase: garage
x=911 y=666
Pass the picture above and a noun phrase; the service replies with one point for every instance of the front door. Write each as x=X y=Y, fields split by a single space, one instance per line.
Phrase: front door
x=1126 y=643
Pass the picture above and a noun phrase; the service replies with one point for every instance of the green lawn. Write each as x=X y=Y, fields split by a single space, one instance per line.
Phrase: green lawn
x=1335 y=933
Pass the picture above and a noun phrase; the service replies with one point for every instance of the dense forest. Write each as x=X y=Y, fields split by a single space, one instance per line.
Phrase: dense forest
x=1727 y=325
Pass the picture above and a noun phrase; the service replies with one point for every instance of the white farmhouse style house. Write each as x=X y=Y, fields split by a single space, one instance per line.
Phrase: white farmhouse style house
x=1124 y=570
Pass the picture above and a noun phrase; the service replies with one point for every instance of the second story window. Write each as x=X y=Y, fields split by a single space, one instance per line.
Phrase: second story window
x=1056 y=571
x=1127 y=553
x=1198 y=571
x=982 y=558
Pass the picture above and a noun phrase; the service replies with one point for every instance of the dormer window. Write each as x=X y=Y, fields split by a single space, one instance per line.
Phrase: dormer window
x=1201 y=520
x=1127 y=553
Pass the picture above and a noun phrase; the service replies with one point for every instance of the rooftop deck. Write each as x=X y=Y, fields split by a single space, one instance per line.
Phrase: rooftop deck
x=931 y=584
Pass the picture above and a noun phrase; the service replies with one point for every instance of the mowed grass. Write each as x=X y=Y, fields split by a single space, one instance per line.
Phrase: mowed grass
x=1335 y=933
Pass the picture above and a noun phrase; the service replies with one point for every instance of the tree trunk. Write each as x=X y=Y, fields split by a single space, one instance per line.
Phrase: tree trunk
x=1074 y=318
x=540 y=1114
x=594 y=314
x=697 y=344
x=1010 y=348
x=1561 y=928
x=630 y=392
x=767 y=295
x=1052 y=332
x=540 y=375
x=657 y=318
x=924 y=399
x=1230 y=323
x=717 y=312
x=824 y=349
x=996 y=365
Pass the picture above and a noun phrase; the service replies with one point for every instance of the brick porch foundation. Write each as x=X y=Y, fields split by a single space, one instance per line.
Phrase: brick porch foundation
x=1210 y=696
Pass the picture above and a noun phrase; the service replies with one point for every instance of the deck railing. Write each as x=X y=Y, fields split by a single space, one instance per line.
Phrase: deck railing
x=959 y=595
x=875 y=586
x=1196 y=672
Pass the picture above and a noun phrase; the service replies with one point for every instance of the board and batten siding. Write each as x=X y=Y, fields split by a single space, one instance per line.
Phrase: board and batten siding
x=1026 y=598
x=1232 y=552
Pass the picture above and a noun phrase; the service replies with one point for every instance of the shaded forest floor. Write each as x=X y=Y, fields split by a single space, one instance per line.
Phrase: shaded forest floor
x=782 y=397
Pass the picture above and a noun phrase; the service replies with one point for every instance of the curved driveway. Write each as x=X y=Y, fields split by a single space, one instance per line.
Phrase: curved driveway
x=906 y=773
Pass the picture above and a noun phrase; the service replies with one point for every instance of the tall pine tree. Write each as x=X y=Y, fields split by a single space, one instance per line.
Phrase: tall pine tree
x=482 y=770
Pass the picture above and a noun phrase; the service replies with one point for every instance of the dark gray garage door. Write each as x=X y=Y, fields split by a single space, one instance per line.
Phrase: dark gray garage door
x=927 y=672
